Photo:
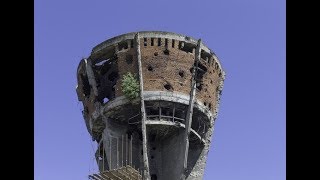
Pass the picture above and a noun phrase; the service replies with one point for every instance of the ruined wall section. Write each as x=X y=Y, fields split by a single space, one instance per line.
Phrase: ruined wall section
x=165 y=67
x=208 y=85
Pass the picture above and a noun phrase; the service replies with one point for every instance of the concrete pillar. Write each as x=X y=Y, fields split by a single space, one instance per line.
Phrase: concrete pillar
x=190 y=111
x=143 y=113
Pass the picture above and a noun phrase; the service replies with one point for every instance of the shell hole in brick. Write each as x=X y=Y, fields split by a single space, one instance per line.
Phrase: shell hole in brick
x=205 y=103
x=129 y=58
x=168 y=87
x=166 y=52
x=156 y=54
x=150 y=68
x=181 y=73
x=210 y=105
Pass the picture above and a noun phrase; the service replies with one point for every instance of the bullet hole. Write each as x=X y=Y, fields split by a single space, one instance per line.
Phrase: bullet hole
x=129 y=58
x=210 y=105
x=181 y=73
x=150 y=68
x=156 y=54
x=205 y=103
x=168 y=87
x=166 y=52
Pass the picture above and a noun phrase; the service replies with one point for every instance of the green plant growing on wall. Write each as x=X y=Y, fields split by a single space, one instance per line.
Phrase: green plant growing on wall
x=130 y=86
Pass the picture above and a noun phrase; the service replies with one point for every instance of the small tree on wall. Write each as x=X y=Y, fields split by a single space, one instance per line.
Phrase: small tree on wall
x=130 y=86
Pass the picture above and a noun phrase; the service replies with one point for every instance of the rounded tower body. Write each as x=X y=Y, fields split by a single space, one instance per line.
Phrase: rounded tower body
x=163 y=129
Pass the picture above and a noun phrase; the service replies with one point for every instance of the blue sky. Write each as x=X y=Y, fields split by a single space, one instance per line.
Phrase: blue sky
x=248 y=36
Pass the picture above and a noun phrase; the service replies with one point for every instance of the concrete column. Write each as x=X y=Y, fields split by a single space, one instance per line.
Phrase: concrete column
x=190 y=111
x=143 y=113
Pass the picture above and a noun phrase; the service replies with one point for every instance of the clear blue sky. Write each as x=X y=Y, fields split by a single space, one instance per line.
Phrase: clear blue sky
x=247 y=35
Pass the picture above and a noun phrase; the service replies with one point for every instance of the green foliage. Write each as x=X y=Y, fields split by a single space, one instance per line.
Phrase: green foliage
x=130 y=86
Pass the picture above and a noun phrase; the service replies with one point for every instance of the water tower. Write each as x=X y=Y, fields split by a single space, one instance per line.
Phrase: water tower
x=163 y=131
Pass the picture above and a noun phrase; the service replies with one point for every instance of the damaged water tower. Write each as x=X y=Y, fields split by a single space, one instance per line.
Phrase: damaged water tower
x=150 y=101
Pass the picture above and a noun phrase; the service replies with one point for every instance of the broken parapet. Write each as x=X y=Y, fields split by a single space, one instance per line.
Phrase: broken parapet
x=170 y=69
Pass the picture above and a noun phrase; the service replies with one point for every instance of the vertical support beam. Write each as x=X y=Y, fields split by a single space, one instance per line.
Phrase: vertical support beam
x=143 y=112
x=131 y=151
x=117 y=152
x=110 y=153
x=122 y=151
x=90 y=74
x=190 y=111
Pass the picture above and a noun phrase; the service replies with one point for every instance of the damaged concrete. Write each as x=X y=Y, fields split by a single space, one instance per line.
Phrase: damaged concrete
x=166 y=132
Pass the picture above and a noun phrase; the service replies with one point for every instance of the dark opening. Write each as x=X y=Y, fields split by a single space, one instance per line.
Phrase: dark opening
x=181 y=73
x=211 y=81
x=156 y=53
x=205 y=56
x=141 y=152
x=129 y=58
x=150 y=68
x=153 y=137
x=199 y=86
x=173 y=43
x=153 y=177
x=113 y=76
x=220 y=74
x=205 y=103
x=210 y=105
x=153 y=148
x=166 y=52
x=152 y=41
x=152 y=157
x=216 y=65
x=145 y=41
x=131 y=42
x=188 y=47
x=168 y=87
x=123 y=45
x=86 y=85
x=166 y=42
x=159 y=41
